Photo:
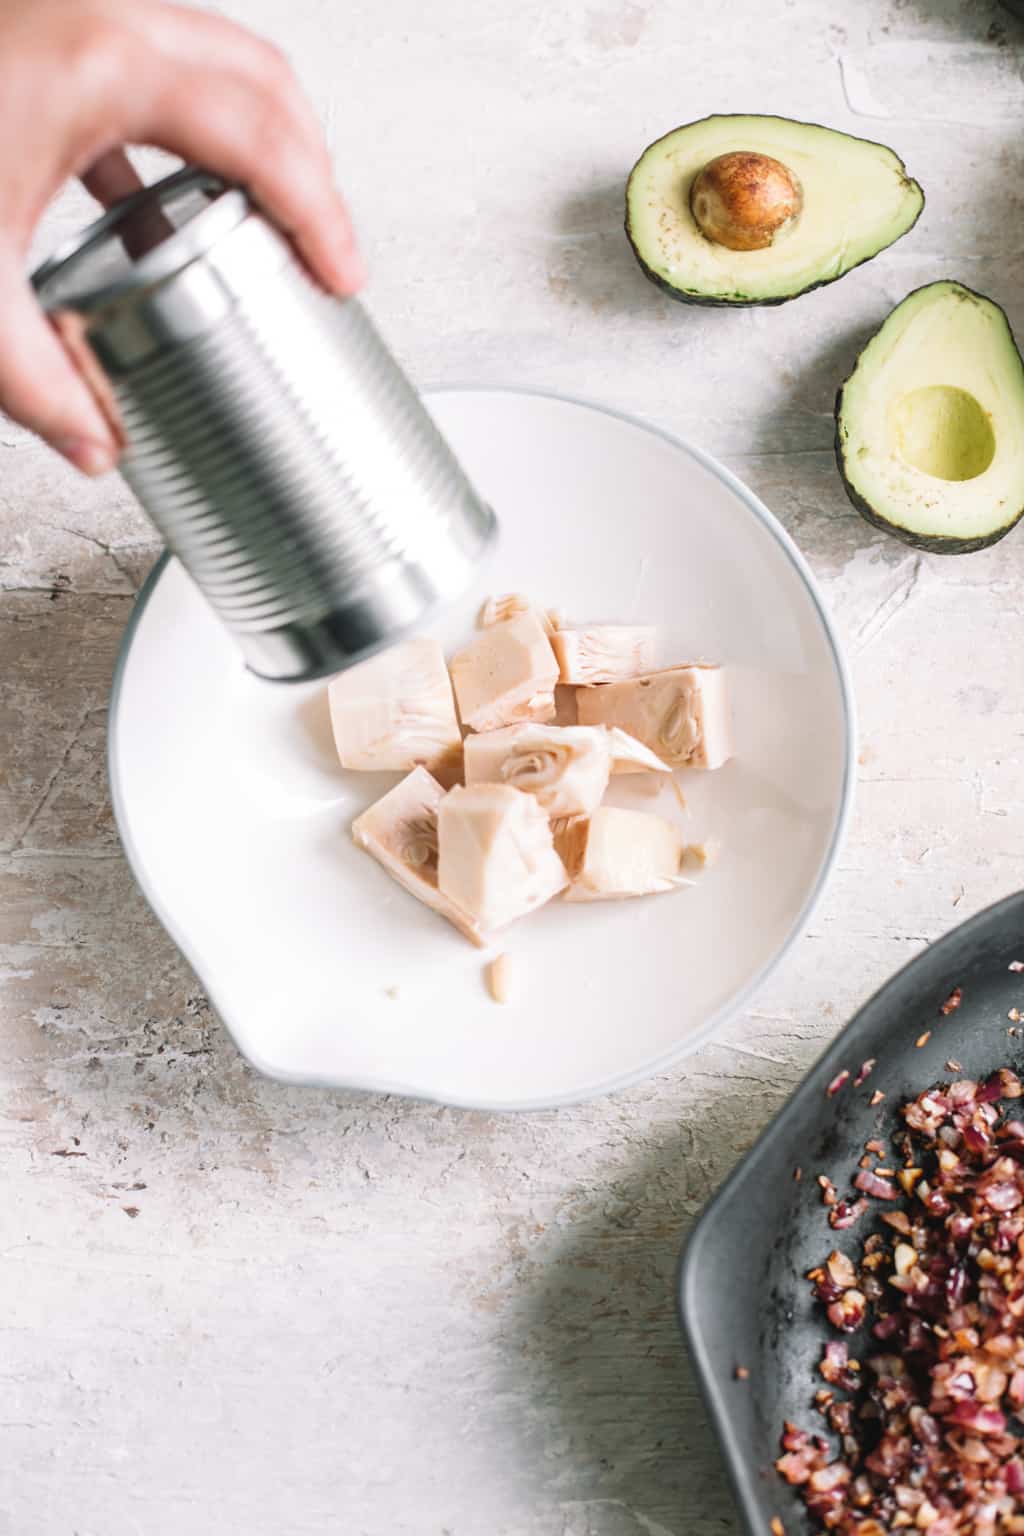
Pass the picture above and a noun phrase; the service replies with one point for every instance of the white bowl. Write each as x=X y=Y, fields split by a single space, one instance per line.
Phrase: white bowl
x=234 y=813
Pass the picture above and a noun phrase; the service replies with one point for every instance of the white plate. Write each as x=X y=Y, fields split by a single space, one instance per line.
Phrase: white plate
x=234 y=813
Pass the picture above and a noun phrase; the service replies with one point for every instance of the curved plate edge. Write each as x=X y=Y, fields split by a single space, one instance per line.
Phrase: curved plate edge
x=657 y=1064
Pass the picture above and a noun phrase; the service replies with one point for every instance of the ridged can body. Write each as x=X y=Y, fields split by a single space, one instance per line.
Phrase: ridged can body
x=271 y=436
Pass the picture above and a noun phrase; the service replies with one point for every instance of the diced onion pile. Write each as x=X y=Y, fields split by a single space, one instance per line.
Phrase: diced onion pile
x=925 y=1413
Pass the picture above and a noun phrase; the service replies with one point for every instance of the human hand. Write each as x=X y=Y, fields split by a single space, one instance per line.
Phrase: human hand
x=81 y=78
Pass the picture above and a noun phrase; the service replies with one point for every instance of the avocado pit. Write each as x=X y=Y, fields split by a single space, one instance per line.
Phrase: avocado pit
x=942 y=431
x=744 y=200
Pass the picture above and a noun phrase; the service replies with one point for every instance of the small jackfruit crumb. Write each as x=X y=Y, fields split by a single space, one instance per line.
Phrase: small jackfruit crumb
x=698 y=855
x=496 y=975
x=677 y=790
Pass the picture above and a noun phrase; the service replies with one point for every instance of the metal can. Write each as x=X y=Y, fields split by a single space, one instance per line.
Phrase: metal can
x=269 y=433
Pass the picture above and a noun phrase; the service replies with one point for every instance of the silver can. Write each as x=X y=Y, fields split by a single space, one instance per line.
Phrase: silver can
x=269 y=433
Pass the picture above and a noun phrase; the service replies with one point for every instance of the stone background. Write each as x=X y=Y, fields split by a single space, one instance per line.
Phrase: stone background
x=227 y=1305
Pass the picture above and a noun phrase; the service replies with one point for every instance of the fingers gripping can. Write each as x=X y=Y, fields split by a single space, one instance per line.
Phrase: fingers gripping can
x=269 y=432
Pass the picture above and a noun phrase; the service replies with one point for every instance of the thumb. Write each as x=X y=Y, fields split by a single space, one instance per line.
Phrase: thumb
x=40 y=386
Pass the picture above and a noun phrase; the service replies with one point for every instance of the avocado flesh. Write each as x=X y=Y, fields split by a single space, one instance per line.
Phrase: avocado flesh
x=930 y=424
x=858 y=199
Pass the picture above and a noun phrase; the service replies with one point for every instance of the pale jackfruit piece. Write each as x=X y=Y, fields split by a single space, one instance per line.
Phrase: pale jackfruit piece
x=681 y=713
x=566 y=769
x=649 y=785
x=498 y=978
x=395 y=710
x=450 y=769
x=400 y=832
x=627 y=853
x=565 y=706
x=507 y=674
x=631 y=756
x=496 y=860
x=569 y=834
x=604 y=653
x=496 y=610
x=698 y=856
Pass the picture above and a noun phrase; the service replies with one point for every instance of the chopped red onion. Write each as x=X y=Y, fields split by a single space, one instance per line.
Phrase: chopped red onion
x=870 y=1184
x=1003 y=1197
x=977 y=1138
x=991 y=1089
x=842 y=1216
x=984 y=1421
x=848 y=1312
x=927 y=1434
x=839 y=1081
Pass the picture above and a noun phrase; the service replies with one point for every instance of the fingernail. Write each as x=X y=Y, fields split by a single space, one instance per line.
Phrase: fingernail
x=88 y=455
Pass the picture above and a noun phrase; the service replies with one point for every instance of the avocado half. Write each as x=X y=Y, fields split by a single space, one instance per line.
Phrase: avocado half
x=853 y=199
x=930 y=423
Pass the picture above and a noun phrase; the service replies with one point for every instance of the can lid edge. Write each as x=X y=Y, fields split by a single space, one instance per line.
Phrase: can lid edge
x=227 y=209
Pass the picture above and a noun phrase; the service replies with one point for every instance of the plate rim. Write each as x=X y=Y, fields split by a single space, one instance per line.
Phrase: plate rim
x=716 y=1021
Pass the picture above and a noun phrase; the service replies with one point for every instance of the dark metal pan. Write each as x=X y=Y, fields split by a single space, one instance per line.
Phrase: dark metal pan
x=743 y=1298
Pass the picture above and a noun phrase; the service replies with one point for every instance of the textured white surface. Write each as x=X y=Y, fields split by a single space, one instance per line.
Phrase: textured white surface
x=338 y=1314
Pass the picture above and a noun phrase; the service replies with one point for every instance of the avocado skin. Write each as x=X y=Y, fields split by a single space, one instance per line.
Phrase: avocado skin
x=708 y=302
x=930 y=543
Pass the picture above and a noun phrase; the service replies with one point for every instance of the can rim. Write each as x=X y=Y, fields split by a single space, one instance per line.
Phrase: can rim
x=225 y=211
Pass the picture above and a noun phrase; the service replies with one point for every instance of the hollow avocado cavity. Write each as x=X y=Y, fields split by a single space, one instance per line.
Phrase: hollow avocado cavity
x=943 y=432
x=930 y=424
